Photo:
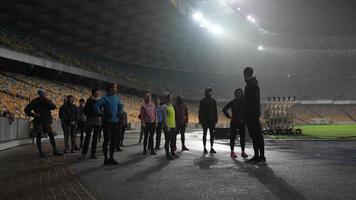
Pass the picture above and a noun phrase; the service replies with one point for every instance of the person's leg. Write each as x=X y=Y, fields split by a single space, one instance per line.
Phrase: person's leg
x=114 y=133
x=260 y=140
x=173 y=134
x=118 y=141
x=233 y=133
x=37 y=130
x=205 y=130
x=212 y=137
x=152 y=133
x=142 y=130
x=81 y=129
x=158 y=135
x=167 y=138
x=88 y=131
x=182 y=137
x=49 y=131
x=106 y=129
x=72 y=132
x=96 y=132
x=145 y=137
x=252 y=131
x=66 y=137
x=242 y=133
x=122 y=134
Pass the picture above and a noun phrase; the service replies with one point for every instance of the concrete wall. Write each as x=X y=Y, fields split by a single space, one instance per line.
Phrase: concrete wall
x=18 y=132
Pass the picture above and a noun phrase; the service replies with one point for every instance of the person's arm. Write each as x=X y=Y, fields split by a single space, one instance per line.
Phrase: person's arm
x=215 y=112
x=28 y=110
x=186 y=114
x=200 y=115
x=225 y=110
x=98 y=105
x=142 y=113
x=51 y=105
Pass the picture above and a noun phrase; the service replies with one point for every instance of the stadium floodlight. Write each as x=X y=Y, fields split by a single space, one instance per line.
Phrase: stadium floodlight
x=251 y=19
x=216 y=30
x=239 y=9
x=260 y=48
x=204 y=24
x=197 y=16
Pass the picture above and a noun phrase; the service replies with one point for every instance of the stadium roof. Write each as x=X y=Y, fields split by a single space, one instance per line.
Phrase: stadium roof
x=162 y=32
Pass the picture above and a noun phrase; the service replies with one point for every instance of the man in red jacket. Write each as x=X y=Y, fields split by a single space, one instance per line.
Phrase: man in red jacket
x=181 y=112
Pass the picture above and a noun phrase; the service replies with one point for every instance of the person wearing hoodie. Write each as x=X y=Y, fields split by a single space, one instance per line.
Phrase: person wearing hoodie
x=69 y=116
x=93 y=123
x=208 y=118
x=112 y=108
x=169 y=127
x=159 y=127
x=237 y=125
x=252 y=114
x=148 y=114
x=181 y=112
x=40 y=109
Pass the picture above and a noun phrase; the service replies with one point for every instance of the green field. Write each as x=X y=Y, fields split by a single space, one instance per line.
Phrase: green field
x=322 y=132
x=329 y=131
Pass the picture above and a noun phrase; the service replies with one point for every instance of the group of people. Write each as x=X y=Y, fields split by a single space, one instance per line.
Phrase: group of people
x=161 y=115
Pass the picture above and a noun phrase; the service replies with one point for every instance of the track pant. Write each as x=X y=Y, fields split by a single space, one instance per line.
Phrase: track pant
x=38 y=129
x=255 y=131
x=149 y=132
x=158 y=134
x=111 y=132
x=69 y=132
x=168 y=141
x=211 y=131
x=89 y=129
x=181 y=130
x=80 y=129
x=234 y=130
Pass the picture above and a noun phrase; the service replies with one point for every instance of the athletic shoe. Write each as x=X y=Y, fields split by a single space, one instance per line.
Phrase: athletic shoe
x=262 y=161
x=153 y=153
x=233 y=155
x=144 y=152
x=253 y=160
x=112 y=161
x=244 y=155
x=41 y=154
x=212 y=150
x=106 y=162
x=57 y=153
x=185 y=149
x=205 y=151
x=93 y=157
x=174 y=156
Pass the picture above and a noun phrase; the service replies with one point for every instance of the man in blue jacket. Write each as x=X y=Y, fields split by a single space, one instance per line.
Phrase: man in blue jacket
x=112 y=110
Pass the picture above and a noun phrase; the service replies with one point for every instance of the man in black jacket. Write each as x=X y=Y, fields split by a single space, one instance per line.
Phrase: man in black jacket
x=93 y=124
x=69 y=115
x=40 y=109
x=208 y=117
x=252 y=114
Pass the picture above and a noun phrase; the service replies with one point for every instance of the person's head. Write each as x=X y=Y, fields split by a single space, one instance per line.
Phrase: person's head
x=169 y=98
x=95 y=92
x=81 y=102
x=148 y=98
x=111 y=88
x=179 y=99
x=238 y=93
x=70 y=99
x=208 y=92
x=157 y=101
x=41 y=93
x=248 y=73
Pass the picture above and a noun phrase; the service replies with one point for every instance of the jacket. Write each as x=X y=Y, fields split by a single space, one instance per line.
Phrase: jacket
x=208 y=113
x=252 y=102
x=42 y=106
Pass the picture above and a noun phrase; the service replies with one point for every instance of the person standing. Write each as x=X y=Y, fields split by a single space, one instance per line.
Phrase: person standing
x=169 y=127
x=148 y=114
x=181 y=112
x=123 y=127
x=40 y=109
x=69 y=115
x=252 y=112
x=159 y=127
x=112 y=108
x=208 y=118
x=237 y=125
x=93 y=124
x=81 y=122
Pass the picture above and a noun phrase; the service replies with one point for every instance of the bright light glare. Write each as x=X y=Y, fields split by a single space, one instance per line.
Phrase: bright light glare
x=197 y=16
x=216 y=30
x=260 y=48
x=204 y=24
x=250 y=18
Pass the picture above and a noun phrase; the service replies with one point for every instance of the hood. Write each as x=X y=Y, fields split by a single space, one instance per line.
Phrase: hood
x=252 y=80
